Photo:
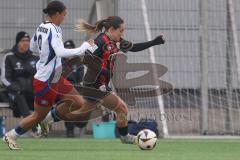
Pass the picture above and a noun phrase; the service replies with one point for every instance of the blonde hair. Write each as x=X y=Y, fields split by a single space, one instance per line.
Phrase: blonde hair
x=112 y=21
x=84 y=26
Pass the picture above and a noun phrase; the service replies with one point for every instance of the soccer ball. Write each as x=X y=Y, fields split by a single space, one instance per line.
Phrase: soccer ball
x=146 y=139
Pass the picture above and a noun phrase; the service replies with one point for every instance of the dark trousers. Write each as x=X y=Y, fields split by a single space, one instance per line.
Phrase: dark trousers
x=71 y=125
x=21 y=104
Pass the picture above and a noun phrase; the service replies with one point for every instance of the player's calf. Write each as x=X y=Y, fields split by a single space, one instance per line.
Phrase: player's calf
x=122 y=123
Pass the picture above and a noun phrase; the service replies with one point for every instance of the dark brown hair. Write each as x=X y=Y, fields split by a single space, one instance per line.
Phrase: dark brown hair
x=112 y=21
x=54 y=7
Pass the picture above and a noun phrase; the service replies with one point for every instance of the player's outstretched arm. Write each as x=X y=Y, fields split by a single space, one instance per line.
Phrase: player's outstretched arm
x=63 y=52
x=128 y=46
x=60 y=51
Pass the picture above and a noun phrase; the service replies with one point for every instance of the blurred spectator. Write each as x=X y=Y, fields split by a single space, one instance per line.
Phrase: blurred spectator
x=75 y=78
x=17 y=71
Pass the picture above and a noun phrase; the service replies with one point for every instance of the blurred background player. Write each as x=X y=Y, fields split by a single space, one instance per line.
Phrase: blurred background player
x=75 y=78
x=109 y=43
x=48 y=82
x=18 y=69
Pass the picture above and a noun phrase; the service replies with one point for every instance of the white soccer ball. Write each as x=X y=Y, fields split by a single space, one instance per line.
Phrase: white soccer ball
x=146 y=139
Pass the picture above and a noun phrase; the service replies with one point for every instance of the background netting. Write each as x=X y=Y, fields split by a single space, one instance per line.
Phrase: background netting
x=180 y=21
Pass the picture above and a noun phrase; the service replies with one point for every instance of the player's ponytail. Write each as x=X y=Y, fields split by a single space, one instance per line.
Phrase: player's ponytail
x=84 y=26
x=112 y=21
x=54 y=7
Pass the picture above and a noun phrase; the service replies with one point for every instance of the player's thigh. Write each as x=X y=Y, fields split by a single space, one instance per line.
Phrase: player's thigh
x=40 y=111
x=69 y=94
x=73 y=99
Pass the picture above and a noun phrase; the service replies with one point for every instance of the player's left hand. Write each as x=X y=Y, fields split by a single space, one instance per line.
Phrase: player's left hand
x=159 y=40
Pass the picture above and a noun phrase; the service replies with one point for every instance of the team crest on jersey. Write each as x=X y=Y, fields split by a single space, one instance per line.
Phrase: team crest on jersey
x=110 y=47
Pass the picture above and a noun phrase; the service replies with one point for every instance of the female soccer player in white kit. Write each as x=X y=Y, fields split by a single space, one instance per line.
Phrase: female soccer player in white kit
x=48 y=82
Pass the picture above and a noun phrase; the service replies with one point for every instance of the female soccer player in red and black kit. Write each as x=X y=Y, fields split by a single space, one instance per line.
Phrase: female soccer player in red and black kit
x=110 y=42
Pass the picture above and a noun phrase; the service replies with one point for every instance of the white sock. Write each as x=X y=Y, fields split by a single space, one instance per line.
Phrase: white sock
x=48 y=119
x=14 y=134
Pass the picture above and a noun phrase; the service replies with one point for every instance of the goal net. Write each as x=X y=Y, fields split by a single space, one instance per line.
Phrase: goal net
x=201 y=54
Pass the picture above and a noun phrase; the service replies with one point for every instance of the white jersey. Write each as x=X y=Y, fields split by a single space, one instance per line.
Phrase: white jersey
x=47 y=41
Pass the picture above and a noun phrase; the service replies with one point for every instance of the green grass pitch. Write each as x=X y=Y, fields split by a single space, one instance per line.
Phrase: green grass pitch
x=95 y=149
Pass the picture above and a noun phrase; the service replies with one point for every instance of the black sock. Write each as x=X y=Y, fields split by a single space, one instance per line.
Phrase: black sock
x=123 y=131
x=54 y=114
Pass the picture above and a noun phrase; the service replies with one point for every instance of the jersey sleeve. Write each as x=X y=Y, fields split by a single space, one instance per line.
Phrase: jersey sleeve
x=34 y=44
x=57 y=45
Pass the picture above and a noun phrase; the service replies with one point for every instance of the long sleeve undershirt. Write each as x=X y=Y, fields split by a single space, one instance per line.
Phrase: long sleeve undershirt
x=141 y=46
